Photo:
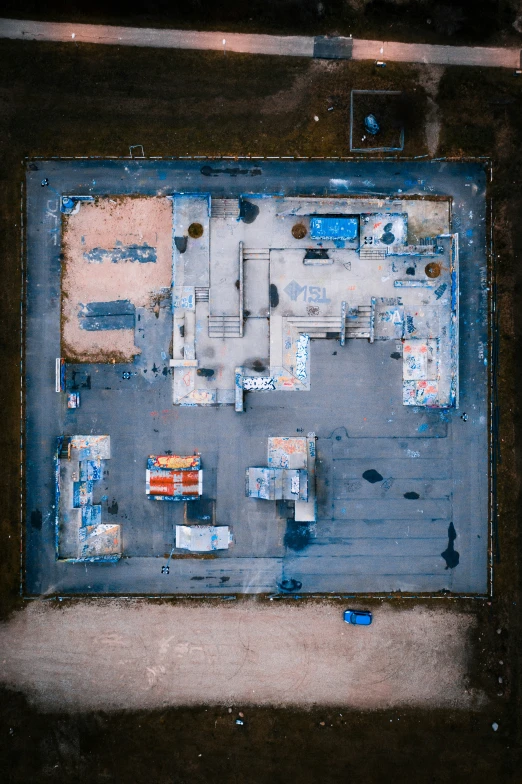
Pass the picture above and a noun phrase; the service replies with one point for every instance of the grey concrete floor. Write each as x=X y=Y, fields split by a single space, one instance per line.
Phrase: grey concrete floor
x=368 y=537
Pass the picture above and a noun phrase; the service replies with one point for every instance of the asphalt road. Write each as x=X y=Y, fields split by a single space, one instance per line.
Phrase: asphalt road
x=298 y=46
x=136 y=655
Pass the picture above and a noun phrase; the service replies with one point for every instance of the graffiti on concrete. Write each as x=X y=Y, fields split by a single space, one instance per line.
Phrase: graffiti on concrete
x=301 y=357
x=263 y=383
x=310 y=293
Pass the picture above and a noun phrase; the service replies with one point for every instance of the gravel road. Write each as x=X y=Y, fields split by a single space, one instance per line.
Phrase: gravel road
x=119 y=654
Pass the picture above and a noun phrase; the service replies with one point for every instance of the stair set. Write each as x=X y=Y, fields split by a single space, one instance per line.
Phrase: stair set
x=371 y=253
x=357 y=323
x=224 y=209
x=225 y=327
x=201 y=294
x=256 y=254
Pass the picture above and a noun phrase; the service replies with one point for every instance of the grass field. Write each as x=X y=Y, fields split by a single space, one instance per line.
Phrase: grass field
x=83 y=100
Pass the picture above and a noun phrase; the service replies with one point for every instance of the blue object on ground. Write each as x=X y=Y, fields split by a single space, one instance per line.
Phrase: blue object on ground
x=371 y=125
x=358 y=617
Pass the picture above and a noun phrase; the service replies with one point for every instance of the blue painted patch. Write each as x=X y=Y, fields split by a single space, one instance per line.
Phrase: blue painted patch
x=422 y=428
x=90 y=470
x=454 y=290
x=82 y=494
x=334 y=228
x=119 y=314
x=144 y=254
x=91 y=515
x=440 y=291
x=100 y=323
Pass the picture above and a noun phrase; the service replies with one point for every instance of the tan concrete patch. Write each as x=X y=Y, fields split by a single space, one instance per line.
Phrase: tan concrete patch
x=132 y=655
x=106 y=223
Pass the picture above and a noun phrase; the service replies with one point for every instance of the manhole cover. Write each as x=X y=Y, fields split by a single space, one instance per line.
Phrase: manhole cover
x=195 y=230
x=298 y=231
x=432 y=269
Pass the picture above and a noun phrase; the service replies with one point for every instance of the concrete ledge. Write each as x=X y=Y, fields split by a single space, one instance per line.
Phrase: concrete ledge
x=184 y=363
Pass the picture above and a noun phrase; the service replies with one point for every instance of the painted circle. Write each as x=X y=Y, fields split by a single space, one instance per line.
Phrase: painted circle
x=432 y=269
x=195 y=230
x=299 y=231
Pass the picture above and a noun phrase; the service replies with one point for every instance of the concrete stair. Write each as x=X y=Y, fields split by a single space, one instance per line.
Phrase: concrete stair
x=370 y=253
x=201 y=294
x=358 y=325
x=316 y=327
x=225 y=327
x=256 y=254
x=224 y=208
x=362 y=324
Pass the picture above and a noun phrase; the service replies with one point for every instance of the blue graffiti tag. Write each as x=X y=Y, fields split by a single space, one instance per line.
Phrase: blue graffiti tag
x=310 y=293
x=440 y=291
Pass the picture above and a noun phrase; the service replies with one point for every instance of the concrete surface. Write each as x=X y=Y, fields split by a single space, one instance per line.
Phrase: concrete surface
x=132 y=655
x=369 y=537
x=298 y=46
x=491 y=57
x=308 y=296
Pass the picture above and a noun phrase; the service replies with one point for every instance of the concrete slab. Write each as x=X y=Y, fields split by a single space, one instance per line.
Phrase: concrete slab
x=191 y=246
x=352 y=403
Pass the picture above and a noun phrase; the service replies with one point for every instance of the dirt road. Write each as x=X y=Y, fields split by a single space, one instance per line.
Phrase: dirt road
x=116 y=654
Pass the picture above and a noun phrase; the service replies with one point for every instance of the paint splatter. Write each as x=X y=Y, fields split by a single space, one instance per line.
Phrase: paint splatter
x=297 y=536
x=248 y=212
x=181 y=244
x=372 y=476
x=450 y=555
x=411 y=496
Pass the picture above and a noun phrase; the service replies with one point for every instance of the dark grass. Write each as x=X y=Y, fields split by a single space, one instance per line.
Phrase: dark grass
x=389 y=111
x=274 y=746
x=422 y=21
x=68 y=100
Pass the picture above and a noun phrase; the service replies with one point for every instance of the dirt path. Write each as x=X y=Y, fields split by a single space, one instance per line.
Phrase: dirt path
x=429 y=78
x=300 y=46
x=112 y=655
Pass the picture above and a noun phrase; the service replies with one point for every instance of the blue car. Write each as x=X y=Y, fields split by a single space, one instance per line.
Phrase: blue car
x=358 y=617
